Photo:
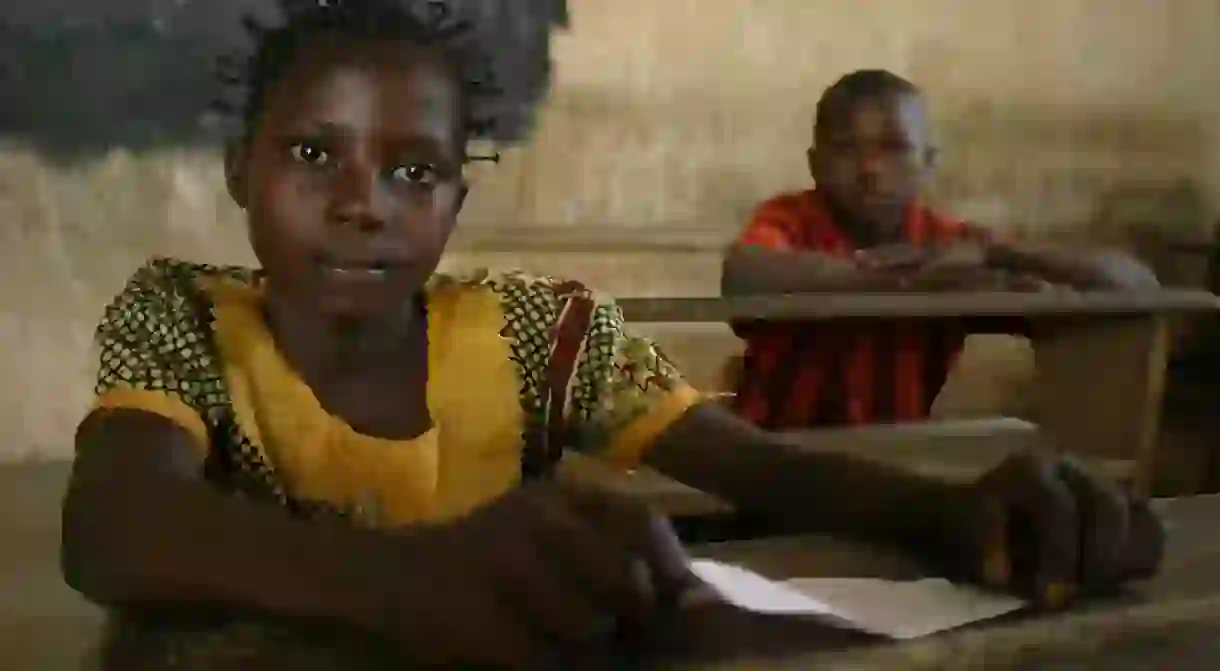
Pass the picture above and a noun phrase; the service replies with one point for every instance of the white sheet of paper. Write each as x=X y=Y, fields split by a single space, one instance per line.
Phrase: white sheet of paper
x=900 y=610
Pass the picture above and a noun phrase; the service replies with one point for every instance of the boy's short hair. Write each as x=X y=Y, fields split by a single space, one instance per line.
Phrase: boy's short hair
x=858 y=86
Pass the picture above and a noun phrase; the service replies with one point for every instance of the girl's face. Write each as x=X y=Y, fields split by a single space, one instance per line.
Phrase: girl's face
x=352 y=179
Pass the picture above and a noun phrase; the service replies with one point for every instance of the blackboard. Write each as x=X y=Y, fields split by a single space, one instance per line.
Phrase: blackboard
x=81 y=77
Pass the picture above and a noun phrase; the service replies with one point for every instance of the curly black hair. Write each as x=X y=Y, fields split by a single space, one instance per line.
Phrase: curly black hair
x=856 y=86
x=501 y=55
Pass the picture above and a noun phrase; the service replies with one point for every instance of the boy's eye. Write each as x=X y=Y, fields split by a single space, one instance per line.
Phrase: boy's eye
x=415 y=174
x=310 y=154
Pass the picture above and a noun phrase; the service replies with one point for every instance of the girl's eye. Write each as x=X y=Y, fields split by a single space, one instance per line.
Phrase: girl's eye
x=309 y=154
x=416 y=174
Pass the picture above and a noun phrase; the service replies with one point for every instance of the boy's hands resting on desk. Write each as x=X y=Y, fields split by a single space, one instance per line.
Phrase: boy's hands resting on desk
x=545 y=570
x=963 y=266
x=1043 y=527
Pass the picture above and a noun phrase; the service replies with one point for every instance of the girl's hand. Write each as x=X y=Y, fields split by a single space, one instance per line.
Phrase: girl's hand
x=545 y=570
x=1041 y=526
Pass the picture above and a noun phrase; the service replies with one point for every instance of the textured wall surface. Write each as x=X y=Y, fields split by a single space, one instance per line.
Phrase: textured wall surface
x=669 y=121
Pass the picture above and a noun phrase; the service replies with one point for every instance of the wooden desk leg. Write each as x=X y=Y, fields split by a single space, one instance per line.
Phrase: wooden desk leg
x=1099 y=386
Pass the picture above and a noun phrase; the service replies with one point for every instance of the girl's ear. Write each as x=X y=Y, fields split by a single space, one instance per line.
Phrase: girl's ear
x=235 y=172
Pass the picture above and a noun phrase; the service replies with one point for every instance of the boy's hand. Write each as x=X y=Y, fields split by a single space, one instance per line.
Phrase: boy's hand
x=544 y=570
x=916 y=259
x=960 y=266
x=896 y=257
x=1043 y=527
x=959 y=256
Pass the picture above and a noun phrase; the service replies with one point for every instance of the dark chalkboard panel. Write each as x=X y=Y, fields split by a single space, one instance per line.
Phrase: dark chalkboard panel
x=78 y=77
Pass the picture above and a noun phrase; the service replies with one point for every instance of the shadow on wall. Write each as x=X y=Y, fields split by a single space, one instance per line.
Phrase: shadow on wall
x=81 y=77
x=72 y=91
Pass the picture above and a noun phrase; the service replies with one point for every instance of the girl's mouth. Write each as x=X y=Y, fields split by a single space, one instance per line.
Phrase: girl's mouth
x=350 y=268
x=353 y=268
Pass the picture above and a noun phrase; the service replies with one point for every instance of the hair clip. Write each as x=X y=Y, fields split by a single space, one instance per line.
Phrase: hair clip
x=490 y=158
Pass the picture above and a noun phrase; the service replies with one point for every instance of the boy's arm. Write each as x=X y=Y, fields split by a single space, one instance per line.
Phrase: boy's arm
x=766 y=259
x=753 y=269
x=1101 y=270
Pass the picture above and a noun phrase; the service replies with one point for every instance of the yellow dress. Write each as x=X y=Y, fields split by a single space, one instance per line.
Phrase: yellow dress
x=520 y=368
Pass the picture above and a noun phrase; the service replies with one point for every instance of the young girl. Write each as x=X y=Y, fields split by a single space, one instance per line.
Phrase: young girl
x=339 y=460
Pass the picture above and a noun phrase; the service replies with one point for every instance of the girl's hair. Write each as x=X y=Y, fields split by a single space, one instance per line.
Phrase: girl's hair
x=500 y=55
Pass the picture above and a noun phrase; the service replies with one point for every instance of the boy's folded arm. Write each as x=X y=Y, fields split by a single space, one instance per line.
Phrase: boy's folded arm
x=1087 y=269
x=141 y=527
x=751 y=269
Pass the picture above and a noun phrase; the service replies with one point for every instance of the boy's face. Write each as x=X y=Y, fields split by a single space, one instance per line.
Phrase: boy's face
x=872 y=157
x=352 y=180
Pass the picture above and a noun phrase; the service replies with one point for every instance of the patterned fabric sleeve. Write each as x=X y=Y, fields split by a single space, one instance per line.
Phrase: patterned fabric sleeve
x=624 y=392
x=153 y=350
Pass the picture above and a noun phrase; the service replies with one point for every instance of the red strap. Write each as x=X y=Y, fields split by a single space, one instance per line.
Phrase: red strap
x=566 y=337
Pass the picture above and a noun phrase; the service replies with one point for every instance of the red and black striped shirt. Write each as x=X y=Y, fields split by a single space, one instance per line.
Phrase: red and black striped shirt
x=841 y=373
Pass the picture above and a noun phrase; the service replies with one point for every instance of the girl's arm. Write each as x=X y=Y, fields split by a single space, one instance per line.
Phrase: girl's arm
x=141 y=527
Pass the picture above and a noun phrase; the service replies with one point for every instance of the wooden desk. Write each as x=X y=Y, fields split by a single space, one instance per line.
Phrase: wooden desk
x=46 y=626
x=1172 y=622
x=1100 y=355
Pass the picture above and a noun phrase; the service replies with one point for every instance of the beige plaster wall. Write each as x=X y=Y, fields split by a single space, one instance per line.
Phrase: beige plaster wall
x=670 y=119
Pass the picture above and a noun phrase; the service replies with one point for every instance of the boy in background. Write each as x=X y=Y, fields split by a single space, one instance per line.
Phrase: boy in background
x=865 y=228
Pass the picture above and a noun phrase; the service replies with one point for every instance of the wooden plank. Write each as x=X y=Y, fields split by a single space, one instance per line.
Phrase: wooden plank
x=823 y=307
x=1099 y=386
